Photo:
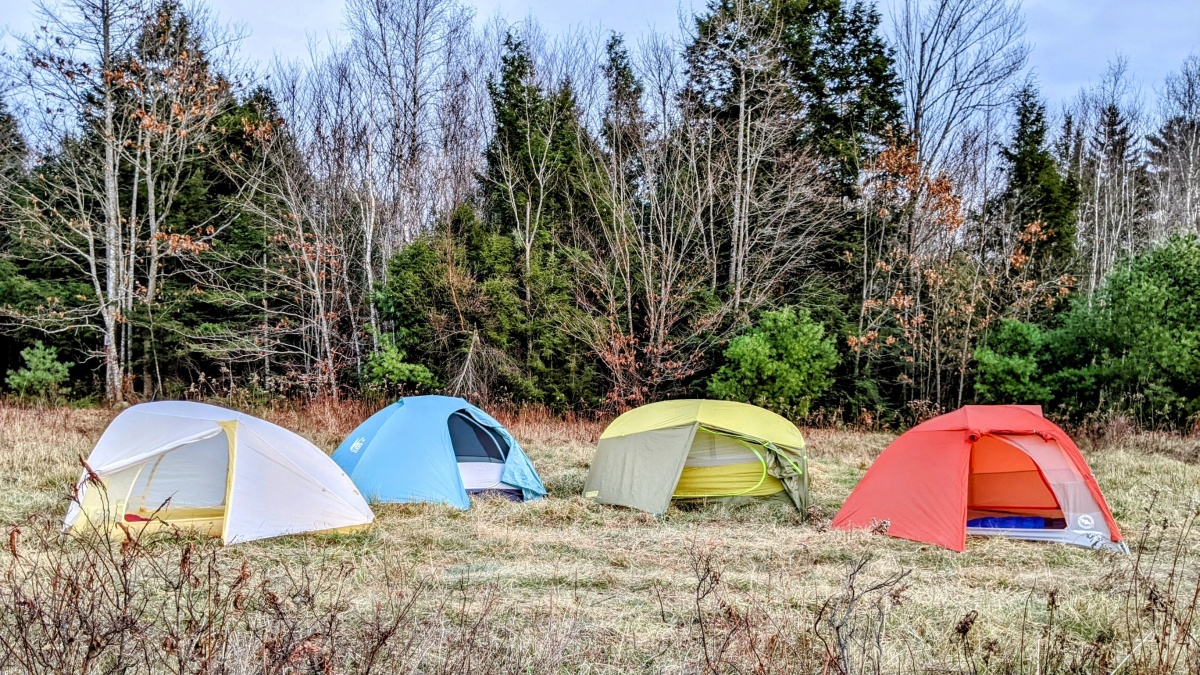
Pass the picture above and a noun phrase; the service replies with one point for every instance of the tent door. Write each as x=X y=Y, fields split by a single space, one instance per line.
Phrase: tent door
x=1005 y=481
x=720 y=465
x=473 y=442
x=481 y=454
x=187 y=486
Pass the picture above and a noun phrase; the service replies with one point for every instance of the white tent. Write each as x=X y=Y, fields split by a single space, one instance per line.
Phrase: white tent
x=203 y=467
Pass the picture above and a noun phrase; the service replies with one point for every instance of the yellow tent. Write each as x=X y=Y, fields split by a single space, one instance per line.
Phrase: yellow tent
x=697 y=449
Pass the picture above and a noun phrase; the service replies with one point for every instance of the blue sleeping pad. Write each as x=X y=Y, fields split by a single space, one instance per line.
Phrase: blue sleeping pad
x=1010 y=522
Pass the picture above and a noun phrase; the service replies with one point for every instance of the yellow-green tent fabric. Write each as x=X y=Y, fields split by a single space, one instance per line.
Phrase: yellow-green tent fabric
x=697 y=449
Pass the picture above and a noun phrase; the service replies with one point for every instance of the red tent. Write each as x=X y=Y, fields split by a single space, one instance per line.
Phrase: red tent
x=1001 y=470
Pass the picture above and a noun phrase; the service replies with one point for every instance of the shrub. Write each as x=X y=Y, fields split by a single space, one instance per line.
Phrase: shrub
x=1133 y=348
x=1007 y=368
x=387 y=370
x=783 y=363
x=43 y=375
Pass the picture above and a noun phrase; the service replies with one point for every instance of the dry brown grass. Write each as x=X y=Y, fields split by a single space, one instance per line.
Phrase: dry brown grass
x=565 y=585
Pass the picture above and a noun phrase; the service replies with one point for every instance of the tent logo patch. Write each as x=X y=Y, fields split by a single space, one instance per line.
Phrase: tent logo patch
x=362 y=440
x=1086 y=522
x=591 y=494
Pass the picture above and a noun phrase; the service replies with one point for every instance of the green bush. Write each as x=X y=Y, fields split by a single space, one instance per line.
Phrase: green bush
x=43 y=375
x=1134 y=348
x=388 y=371
x=783 y=363
x=1143 y=336
x=1007 y=368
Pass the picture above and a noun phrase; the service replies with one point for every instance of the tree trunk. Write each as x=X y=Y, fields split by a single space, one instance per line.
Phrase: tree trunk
x=113 y=362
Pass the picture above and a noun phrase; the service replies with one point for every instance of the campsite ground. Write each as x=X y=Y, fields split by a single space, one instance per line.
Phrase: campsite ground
x=564 y=585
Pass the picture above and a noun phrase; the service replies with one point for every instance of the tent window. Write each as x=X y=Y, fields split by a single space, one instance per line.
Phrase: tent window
x=475 y=443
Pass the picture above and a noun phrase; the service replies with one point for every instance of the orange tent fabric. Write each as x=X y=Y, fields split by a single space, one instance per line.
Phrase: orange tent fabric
x=981 y=461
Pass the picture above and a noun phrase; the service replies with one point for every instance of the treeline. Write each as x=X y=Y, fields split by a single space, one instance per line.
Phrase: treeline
x=800 y=203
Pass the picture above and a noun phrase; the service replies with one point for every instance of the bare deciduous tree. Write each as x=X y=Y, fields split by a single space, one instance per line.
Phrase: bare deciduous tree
x=701 y=221
x=955 y=58
x=418 y=62
x=1175 y=152
x=1106 y=154
x=74 y=78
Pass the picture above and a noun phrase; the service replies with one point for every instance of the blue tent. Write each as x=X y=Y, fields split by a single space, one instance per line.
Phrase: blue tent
x=436 y=449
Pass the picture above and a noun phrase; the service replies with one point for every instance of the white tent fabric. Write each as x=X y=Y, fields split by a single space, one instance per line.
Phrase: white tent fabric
x=260 y=479
x=483 y=476
x=709 y=449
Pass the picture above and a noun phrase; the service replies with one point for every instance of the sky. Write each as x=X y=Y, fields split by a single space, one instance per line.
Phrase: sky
x=1073 y=40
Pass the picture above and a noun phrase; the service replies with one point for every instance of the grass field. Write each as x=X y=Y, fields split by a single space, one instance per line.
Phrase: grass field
x=564 y=585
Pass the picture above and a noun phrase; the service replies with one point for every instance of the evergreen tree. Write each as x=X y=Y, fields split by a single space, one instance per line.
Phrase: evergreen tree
x=1113 y=141
x=847 y=81
x=28 y=280
x=624 y=119
x=13 y=148
x=836 y=65
x=191 y=312
x=534 y=152
x=1174 y=156
x=1040 y=200
x=12 y=155
x=520 y=286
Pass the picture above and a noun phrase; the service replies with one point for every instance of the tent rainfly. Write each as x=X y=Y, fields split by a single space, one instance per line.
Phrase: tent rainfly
x=436 y=449
x=697 y=449
x=1000 y=470
x=198 y=466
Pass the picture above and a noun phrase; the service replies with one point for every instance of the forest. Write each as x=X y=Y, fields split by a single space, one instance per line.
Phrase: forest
x=845 y=216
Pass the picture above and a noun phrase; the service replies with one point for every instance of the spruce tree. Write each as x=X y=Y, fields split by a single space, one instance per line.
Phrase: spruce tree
x=836 y=65
x=624 y=119
x=1174 y=164
x=847 y=81
x=1040 y=200
x=12 y=154
x=12 y=144
x=535 y=169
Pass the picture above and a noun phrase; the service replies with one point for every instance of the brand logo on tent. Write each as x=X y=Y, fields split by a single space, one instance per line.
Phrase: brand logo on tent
x=1086 y=522
x=358 y=444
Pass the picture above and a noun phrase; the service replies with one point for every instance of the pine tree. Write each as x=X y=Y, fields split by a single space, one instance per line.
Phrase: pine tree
x=533 y=189
x=848 y=83
x=624 y=120
x=1174 y=157
x=1040 y=200
x=12 y=154
x=12 y=144
x=836 y=65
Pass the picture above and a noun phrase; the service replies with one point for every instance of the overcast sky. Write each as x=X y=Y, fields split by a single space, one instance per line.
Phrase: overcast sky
x=1073 y=40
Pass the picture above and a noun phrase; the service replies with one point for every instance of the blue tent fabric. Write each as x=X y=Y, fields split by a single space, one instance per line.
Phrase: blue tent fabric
x=403 y=453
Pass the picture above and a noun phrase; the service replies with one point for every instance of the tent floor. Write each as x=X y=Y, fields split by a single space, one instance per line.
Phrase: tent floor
x=208 y=521
x=489 y=493
x=1072 y=537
